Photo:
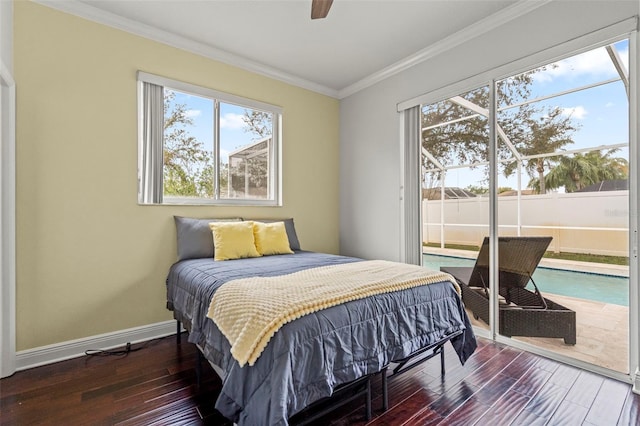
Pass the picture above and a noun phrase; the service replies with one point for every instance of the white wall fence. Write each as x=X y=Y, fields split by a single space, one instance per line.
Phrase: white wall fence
x=583 y=222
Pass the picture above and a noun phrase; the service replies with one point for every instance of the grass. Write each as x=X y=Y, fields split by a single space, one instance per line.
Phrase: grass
x=580 y=257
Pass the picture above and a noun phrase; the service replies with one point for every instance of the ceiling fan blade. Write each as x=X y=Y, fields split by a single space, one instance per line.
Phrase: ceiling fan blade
x=320 y=8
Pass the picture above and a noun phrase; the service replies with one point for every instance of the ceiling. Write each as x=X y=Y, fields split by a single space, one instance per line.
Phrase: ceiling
x=359 y=41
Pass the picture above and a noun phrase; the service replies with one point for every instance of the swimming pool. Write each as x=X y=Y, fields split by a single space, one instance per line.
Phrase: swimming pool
x=581 y=285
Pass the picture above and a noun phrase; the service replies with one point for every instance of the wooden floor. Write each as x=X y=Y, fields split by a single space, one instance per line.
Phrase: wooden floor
x=499 y=385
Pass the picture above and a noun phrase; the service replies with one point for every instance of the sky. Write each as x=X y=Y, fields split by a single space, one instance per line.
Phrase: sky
x=601 y=113
x=232 y=134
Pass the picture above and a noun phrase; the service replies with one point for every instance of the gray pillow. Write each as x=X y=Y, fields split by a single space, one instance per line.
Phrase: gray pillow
x=194 y=236
x=291 y=230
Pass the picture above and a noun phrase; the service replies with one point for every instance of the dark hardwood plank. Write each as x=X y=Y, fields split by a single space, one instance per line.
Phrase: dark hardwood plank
x=404 y=410
x=156 y=386
x=631 y=410
x=519 y=366
x=457 y=373
x=585 y=389
x=426 y=417
x=467 y=413
x=568 y=413
x=494 y=389
x=508 y=406
x=528 y=418
x=454 y=397
x=175 y=397
x=565 y=376
x=492 y=367
x=547 y=364
x=545 y=402
x=608 y=404
x=477 y=405
x=531 y=383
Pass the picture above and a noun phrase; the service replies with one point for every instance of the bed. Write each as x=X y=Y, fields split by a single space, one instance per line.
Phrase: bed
x=311 y=356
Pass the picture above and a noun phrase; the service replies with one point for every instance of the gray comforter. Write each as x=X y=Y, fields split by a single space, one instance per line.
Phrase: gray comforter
x=307 y=358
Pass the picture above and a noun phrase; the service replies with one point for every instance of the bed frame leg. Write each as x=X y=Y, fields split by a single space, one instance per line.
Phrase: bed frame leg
x=442 y=360
x=198 y=368
x=385 y=390
x=368 y=391
x=178 y=328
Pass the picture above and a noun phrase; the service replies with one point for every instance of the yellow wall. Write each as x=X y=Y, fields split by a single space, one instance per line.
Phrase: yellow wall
x=90 y=260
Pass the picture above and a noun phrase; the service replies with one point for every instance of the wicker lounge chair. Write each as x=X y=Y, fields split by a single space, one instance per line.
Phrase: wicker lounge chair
x=522 y=312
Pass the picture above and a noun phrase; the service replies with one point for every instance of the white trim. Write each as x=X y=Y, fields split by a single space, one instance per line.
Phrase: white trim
x=7 y=223
x=600 y=37
x=205 y=91
x=94 y=14
x=75 y=348
x=483 y=26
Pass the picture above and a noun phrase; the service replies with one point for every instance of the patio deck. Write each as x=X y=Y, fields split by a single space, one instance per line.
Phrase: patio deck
x=602 y=333
x=602 y=328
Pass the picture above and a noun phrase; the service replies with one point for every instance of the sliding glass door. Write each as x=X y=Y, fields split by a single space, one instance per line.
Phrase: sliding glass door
x=546 y=154
x=455 y=194
x=563 y=201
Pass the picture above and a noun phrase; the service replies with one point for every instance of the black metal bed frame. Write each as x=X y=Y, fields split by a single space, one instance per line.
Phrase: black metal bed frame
x=358 y=388
x=413 y=360
x=342 y=395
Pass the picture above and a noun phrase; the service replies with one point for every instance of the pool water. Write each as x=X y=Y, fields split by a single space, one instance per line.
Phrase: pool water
x=581 y=285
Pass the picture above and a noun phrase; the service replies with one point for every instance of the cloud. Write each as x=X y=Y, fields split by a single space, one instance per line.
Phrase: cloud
x=595 y=63
x=231 y=121
x=578 y=112
x=609 y=104
x=192 y=113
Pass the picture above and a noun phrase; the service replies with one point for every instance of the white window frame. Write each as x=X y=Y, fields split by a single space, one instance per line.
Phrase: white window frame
x=275 y=171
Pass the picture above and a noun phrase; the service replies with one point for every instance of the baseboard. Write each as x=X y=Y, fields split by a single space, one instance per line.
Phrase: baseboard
x=75 y=348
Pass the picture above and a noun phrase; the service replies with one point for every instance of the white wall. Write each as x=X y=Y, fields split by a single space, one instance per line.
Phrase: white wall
x=607 y=213
x=370 y=151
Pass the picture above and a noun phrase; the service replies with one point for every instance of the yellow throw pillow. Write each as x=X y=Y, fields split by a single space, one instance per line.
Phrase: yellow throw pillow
x=233 y=240
x=271 y=238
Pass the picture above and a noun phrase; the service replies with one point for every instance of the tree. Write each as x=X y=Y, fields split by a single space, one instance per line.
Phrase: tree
x=259 y=123
x=547 y=133
x=188 y=168
x=581 y=170
x=479 y=190
x=464 y=139
x=187 y=165
x=483 y=190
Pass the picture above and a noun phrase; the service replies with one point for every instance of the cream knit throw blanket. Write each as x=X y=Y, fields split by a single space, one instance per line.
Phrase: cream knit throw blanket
x=249 y=311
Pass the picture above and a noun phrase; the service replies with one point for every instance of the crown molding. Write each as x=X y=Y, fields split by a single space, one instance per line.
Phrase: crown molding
x=99 y=16
x=483 y=26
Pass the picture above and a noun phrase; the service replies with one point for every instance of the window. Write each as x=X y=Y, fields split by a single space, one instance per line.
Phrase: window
x=199 y=146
